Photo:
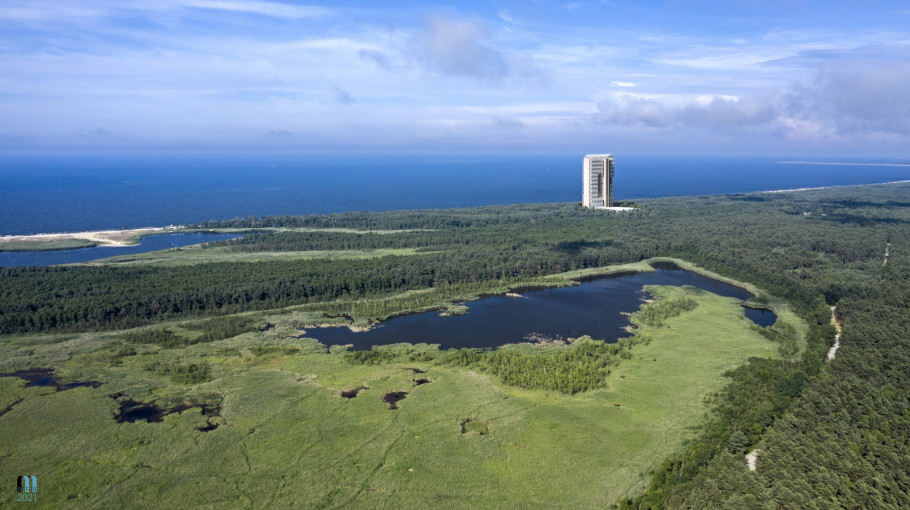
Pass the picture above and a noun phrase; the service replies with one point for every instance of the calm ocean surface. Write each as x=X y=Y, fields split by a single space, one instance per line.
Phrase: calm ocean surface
x=92 y=192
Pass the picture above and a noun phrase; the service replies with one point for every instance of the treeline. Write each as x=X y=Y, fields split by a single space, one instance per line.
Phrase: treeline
x=306 y=241
x=164 y=338
x=723 y=234
x=580 y=366
x=654 y=314
x=843 y=444
x=583 y=367
x=61 y=298
x=758 y=394
x=399 y=220
x=784 y=334
x=210 y=330
x=182 y=373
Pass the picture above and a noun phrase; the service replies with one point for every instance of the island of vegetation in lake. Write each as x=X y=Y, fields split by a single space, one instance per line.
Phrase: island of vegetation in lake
x=193 y=376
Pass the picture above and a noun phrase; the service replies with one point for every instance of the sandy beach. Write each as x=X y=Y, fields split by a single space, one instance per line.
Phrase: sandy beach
x=99 y=237
x=829 y=187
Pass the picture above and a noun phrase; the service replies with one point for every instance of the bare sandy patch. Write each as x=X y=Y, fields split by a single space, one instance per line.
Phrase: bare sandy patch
x=101 y=237
x=751 y=459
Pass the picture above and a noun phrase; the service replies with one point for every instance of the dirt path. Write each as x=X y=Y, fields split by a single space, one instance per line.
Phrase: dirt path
x=833 y=350
x=887 y=252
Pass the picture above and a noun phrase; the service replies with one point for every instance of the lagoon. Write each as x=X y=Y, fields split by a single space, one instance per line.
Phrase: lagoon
x=147 y=244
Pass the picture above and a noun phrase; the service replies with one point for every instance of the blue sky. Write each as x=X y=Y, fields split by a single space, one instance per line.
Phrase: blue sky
x=780 y=77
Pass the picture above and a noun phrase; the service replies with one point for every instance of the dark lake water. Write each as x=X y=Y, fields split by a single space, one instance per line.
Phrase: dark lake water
x=132 y=411
x=762 y=317
x=593 y=308
x=46 y=377
x=149 y=243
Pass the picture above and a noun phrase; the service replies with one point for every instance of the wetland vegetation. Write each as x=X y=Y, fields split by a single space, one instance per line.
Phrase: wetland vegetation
x=253 y=412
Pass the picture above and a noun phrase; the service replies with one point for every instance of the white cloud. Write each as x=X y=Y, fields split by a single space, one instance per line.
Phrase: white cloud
x=841 y=95
x=277 y=10
x=225 y=69
x=460 y=47
x=864 y=90
x=719 y=112
x=466 y=47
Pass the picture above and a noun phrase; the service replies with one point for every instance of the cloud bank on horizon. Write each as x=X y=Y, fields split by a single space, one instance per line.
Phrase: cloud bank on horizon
x=803 y=76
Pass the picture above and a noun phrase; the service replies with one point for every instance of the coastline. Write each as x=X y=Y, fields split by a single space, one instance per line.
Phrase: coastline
x=71 y=240
x=129 y=237
x=830 y=187
x=841 y=163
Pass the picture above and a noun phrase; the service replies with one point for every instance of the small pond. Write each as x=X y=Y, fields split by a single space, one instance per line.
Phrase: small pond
x=46 y=377
x=132 y=411
x=761 y=316
x=594 y=308
x=147 y=244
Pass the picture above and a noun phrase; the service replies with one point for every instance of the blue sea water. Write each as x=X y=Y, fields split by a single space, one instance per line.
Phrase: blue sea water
x=67 y=193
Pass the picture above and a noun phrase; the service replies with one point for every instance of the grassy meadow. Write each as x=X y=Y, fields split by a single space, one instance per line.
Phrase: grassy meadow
x=286 y=436
x=201 y=254
x=49 y=245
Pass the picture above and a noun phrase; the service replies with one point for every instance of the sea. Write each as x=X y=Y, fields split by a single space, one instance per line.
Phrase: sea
x=81 y=192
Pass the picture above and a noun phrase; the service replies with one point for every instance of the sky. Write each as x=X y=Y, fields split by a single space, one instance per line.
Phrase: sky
x=670 y=77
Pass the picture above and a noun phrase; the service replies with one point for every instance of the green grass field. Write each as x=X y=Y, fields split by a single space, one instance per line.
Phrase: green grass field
x=287 y=437
x=60 y=244
x=198 y=254
x=303 y=229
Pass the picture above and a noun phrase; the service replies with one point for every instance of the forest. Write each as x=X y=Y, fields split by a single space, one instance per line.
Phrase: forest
x=831 y=433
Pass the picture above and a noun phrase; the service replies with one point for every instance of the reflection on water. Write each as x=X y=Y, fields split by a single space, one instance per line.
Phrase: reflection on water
x=594 y=308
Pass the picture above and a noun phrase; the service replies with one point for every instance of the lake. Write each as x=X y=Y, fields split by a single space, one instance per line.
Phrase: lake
x=594 y=308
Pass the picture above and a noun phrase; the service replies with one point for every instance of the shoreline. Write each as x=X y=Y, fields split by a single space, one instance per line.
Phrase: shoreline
x=827 y=187
x=69 y=240
x=840 y=163
x=129 y=237
x=556 y=280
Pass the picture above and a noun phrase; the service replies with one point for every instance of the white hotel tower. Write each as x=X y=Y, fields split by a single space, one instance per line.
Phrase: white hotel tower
x=597 y=186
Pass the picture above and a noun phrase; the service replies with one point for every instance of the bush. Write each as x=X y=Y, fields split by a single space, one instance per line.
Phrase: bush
x=182 y=373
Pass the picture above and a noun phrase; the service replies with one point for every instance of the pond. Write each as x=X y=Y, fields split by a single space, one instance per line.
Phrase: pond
x=594 y=308
x=761 y=316
x=132 y=411
x=147 y=244
x=46 y=377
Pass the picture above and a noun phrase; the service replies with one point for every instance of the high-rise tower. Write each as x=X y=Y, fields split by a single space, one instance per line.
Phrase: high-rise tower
x=597 y=186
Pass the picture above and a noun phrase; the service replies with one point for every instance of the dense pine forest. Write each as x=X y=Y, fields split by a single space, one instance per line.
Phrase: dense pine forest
x=830 y=433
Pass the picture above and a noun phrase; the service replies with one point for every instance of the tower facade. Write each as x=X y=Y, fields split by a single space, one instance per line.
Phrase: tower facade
x=597 y=180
